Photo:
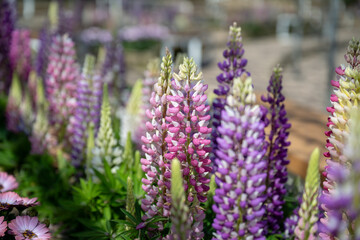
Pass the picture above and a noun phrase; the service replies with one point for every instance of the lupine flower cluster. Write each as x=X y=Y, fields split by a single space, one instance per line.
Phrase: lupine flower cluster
x=277 y=152
x=21 y=226
x=345 y=97
x=7 y=26
x=232 y=67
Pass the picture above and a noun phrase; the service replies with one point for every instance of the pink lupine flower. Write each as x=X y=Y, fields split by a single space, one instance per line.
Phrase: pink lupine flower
x=7 y=182
x=8 y=200
x=25 y=227
x=3 y=226
x=188 y=138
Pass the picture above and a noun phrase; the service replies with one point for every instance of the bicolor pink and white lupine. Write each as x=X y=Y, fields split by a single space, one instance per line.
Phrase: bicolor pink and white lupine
x=25 y=227
x=156 y=184
x=7 y=182
x=188 y=138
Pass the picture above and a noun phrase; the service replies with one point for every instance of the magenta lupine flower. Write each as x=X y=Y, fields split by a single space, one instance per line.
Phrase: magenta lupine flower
x=232 y=67
x=277 y=152
x=9 y=200
x=188 y=138
x=61 y=81
x=20 y=54
x=7 y=182
x=241 y=172
x=25 y=227
x=156 y=183
x=7 y=26
x=3 y=226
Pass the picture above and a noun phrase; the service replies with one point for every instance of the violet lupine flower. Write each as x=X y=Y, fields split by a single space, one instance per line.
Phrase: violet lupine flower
x=82 y=117
x=231 y=67
x=7 y=26
x=61 y=82
x=151 y=76
x=42 y=57
x=3 y=226
x=156 y=183
x=241 y=172
x=25 y=227
x=277 y=152
x=346 y=93
x=188 y=139
x=20 y=54
x=7 y=182
x=290 y=224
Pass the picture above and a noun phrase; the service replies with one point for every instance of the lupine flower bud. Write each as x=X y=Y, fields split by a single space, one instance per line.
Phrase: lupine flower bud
x=345 y=97
x=241 y=172
x=180 y=224
x=232 y=67
x=13 y=115
x=277 y=152
x=188 y=137
x=7 y=26
x=130 y=198
x=308 y=212
x=106 y=145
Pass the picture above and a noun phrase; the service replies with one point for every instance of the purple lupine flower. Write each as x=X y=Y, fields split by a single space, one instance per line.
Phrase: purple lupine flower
x=61 y=81
x=42 y=57
x=83 y=116
x=7 y=26
x=156 y=167
x=20 y=54
x=290 y=224
x=277 y=153
x=241 y=172
x=188 y=139
x=231 y=67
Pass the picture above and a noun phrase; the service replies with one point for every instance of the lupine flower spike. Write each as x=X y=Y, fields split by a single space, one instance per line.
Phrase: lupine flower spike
x=106 y=145
x=241 y=172
x=306 y=228
x=180 y=224
x=7 y=26
x=156 y=184
x=232 y=67
x=277 y=152
x=130 y=198
x=82 y=118
x=345 y=97
x=188 y=138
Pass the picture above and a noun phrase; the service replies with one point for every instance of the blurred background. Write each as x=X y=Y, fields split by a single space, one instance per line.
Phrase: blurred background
x=307 y=37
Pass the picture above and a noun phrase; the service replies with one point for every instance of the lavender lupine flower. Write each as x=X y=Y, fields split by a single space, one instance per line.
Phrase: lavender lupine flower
x=290 y=224
x=151 y=76
x=188 y=138
x=241 y=172
x=82 y=117
x=96 y=35
x=277 y=152
x=142 y=32
x=231 y=67
x=346 y=95
x=306 y=228
x=7 y=26
x=156 y=183
x=20 y=54
x=61 y=83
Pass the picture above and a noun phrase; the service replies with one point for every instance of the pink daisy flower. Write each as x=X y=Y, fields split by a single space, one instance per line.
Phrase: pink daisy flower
x=3 y=226
x=25 y=227
x=7 y=182
x=8 y=200
x=28 y=202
